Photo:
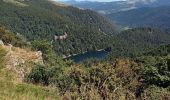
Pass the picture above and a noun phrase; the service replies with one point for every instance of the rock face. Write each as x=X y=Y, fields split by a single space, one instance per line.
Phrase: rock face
x=17 y=59
x=62 y=37
x=1 y=43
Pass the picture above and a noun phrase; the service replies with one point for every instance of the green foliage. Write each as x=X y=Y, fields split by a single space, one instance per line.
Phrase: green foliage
x=39 y=74
x=163 y=50
x=156 y=93
x=42 y=19
x=45 y=76
x=90 y=62
x=41 y=45
x=134 y=42
x=10 y=38
x=155 y=70
x=107 y=80
x=50 y=57
x=63 y=83
x=45 y=47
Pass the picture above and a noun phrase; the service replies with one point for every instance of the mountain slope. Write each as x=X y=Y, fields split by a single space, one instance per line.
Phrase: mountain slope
x=101 y=7
x=42 y=19
x=163 y=50
x=158 y=17
x=117 y=6
x=132 y=13
x=133 y=42
x=14 y=65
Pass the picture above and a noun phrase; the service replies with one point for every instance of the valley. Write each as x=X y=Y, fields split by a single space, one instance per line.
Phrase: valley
x=129 y=14
x=84 y=50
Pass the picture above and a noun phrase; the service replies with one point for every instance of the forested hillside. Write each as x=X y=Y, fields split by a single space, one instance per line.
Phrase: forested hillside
x=157 y=17
x=133 y=42
x=162 y=50
x=135 y=13
x=42 y=19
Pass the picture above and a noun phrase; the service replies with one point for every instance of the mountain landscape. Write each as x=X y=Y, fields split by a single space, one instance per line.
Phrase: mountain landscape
x=132 y=13
x=84 y=50
x=117 y=6
x=157 y=17
x=44 y=19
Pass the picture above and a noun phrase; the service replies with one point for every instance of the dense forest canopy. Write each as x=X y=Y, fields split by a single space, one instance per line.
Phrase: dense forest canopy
x=134 y=42
x=42 y=19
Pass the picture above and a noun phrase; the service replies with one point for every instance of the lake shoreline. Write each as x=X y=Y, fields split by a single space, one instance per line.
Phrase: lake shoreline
x=65 y=57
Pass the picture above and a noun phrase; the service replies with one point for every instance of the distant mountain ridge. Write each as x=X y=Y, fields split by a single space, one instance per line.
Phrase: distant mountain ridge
x=117 y=6
x=133 y=13
x=157 y=17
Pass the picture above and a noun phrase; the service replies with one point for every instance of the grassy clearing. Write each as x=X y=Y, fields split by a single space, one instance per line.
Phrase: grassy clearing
x=13 y=91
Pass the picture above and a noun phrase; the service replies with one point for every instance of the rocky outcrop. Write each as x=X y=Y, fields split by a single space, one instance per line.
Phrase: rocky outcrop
x=1 y=43
x=61 y=37
x=18 y=59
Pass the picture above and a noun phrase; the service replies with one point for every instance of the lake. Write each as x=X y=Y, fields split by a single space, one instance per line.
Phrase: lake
x=99 y=55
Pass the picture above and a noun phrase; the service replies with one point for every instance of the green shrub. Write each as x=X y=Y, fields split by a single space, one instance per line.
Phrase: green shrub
x=155 y=70
x=44 y=46
x=39 y=74
x=10 y=38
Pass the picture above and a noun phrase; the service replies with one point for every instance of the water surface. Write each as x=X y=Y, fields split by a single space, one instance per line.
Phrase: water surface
x=99 y=55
